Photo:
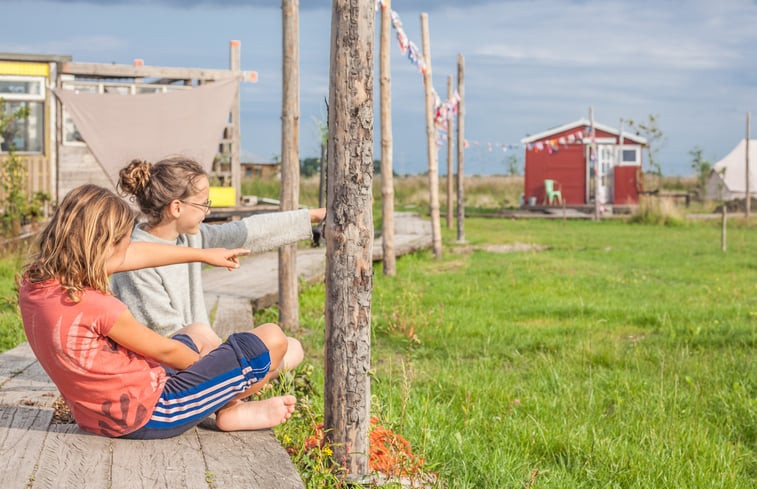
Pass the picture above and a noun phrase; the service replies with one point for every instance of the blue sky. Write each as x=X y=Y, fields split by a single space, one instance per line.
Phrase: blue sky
x=530 y=65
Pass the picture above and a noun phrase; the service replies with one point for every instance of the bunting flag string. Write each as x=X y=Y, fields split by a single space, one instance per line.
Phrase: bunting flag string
x=445 y=111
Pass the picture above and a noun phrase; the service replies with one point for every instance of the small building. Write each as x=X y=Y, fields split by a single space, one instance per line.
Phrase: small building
x=78 y=129
x=564 y=154
x=260 y=170
x=727 y=179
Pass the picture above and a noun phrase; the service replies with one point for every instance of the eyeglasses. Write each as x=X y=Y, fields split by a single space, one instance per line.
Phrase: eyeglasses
x=204 y=206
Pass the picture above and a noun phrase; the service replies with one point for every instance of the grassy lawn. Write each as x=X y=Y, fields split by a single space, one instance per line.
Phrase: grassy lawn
x=622 y=356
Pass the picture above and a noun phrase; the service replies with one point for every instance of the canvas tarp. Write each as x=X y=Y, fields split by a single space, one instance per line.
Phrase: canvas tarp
x=119 y=128
x=727 y=180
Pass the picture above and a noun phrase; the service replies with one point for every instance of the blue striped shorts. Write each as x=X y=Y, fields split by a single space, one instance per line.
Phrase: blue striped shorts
x=193 y=394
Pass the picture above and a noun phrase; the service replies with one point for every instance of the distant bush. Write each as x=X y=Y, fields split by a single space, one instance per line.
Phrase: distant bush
x=658 y=211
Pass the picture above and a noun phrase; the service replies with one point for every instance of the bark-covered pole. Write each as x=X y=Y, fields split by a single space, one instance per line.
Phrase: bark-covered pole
x=290 y=159
x=387 y=177
x=433 y=166
x=349 y=234
x=460 y=149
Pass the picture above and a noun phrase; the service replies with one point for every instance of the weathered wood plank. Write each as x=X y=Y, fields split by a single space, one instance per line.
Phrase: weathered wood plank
x=247 y=459
x=173 y=463
x=31 y=387
x=233 y=314
x=74 y=458
x=15 y=361
x=22 y=435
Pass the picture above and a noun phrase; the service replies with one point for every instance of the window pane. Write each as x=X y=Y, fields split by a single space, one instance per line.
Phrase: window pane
x=24 y=134
x=629 y=155
x=20 y=87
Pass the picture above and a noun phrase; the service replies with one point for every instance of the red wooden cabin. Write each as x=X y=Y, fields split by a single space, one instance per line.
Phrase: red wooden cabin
x=563 y=154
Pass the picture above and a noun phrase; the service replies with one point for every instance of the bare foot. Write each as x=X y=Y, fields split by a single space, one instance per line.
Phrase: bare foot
x=255 y=415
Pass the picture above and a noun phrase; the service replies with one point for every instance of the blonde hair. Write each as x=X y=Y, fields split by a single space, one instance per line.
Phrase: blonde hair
x=74 y=246
x=155 y=186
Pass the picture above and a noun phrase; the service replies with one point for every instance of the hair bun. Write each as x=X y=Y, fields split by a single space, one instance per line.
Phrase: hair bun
x=135 y=178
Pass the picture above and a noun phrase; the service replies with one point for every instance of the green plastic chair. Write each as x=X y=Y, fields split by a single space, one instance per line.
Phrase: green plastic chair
x=551 y=194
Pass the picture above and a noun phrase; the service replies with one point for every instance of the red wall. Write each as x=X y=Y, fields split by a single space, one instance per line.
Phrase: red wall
x=566 y=166
x=626 y=184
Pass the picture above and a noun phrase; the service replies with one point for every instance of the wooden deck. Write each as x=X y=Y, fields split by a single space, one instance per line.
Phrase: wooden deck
x=38 y=452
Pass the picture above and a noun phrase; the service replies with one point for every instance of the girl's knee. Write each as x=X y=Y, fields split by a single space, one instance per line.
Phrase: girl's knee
x=273 y=337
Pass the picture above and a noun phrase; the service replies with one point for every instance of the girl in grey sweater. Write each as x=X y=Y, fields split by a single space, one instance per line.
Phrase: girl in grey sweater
x=173 y=196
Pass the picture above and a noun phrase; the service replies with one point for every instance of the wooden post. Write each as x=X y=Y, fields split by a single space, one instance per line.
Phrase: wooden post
x=433 y=170
x=387 y=178
x=747 y=194
x=723 y=226
x=449 y=158
x=595 y=163
x=460 y=149
x=235 y=64
x=290 y=160
x=349 y=235
x=322 y=181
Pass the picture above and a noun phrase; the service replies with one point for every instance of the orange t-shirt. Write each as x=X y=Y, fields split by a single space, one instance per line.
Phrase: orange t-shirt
x=111 y=391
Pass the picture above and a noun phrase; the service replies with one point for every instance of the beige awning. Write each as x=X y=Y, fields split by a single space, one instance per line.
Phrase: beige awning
x=119 y=128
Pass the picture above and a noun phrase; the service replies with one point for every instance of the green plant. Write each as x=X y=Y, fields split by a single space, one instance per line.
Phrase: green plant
x=701 y=168
x=657 y=211
x=19 y=207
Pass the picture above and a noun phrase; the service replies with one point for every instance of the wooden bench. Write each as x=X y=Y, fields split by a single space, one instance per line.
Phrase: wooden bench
x=36 y=452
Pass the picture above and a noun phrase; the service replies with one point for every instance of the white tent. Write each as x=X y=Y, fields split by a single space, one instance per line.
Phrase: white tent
x=727 y=180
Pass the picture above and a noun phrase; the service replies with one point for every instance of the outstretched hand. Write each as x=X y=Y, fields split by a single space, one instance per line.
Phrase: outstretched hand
x=223 y=257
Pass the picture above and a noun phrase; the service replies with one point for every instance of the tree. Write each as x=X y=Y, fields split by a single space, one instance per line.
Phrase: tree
x=310 y=166
x=655 y=140
x=18 y=207
x=513 y=164
x=701 y=168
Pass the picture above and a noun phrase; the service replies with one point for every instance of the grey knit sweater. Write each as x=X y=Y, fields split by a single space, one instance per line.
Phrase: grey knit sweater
x=168 y=298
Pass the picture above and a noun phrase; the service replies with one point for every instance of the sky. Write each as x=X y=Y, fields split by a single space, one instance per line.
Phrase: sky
x=530 y=65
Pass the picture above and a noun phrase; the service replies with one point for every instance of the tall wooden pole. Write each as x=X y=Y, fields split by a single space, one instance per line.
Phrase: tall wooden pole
x=235 y=64
x=322 y=176
x=433 y=170
x=290 y=159
x=349 y=234
x=460 y=149
x=747 y=195
x=387 y=177
x=449 y=158
x=595 y=163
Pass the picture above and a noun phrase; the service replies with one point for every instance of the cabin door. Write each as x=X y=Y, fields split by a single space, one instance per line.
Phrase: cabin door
x=606 y=163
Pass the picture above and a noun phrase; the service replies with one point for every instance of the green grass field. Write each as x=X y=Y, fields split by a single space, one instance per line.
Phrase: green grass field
x=622 y=356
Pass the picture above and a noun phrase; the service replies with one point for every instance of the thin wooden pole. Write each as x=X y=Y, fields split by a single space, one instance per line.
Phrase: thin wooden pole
x=349 y=235
x=387 y=177
x=235 y=64
x=290 y=160
x=460 y=149
x=595 y=163
x=723 y=227
x=433 y=170
x=747 y=194
x=449 y=158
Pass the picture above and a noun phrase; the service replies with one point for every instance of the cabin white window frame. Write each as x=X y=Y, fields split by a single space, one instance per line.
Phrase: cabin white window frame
x=636 y=161
x=34 y=137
